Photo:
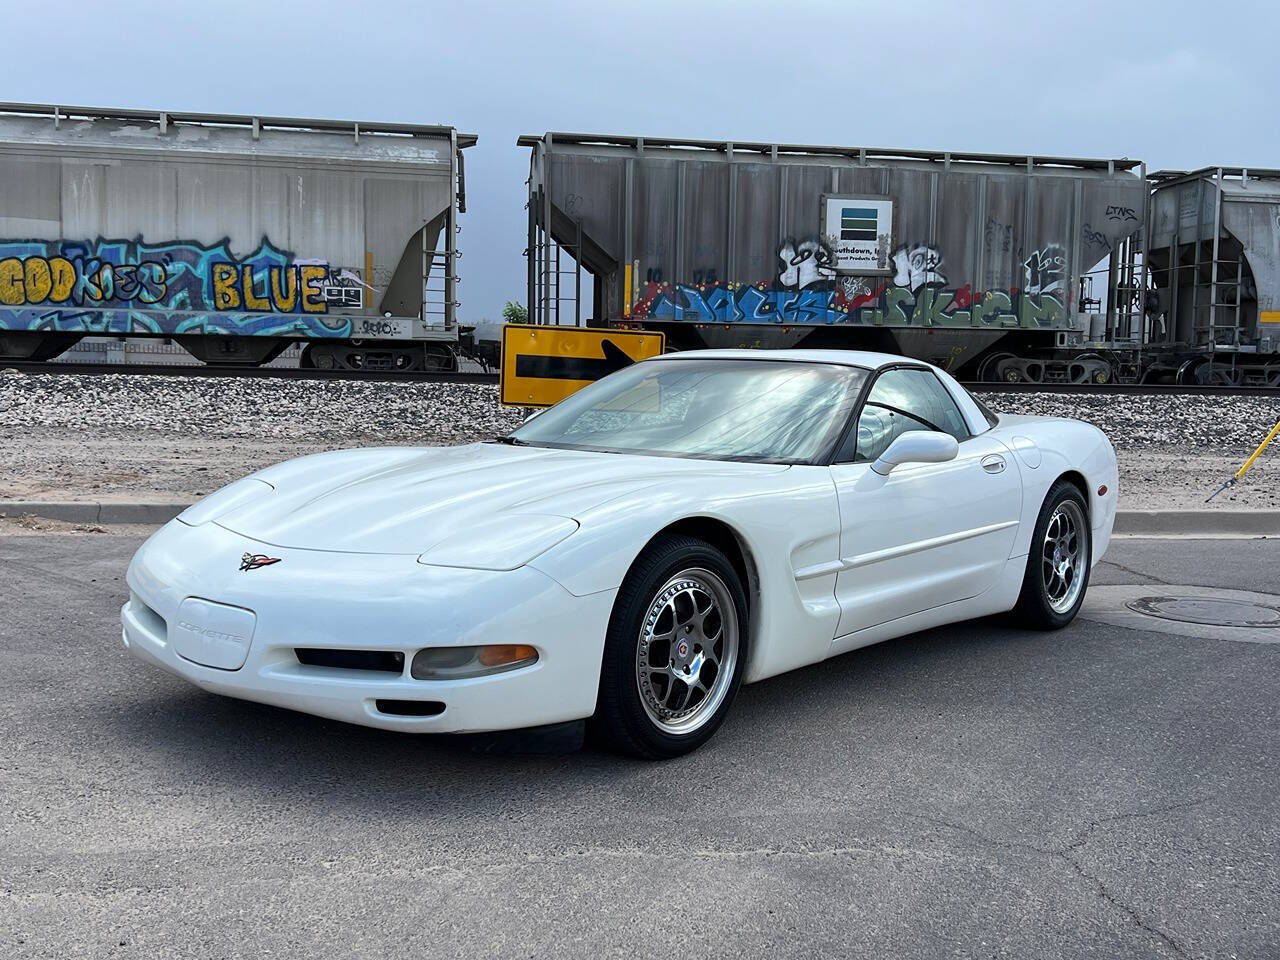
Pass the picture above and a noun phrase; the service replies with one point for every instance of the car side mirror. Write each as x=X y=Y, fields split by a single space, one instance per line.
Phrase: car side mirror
x=917 y=446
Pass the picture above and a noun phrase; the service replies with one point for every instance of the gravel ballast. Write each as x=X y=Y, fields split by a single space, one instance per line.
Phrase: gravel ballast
x=128 y=437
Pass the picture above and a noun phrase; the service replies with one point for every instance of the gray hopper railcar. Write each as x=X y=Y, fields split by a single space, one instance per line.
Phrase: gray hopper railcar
x=232 y=235
x=1214 y=257
x=997 y=267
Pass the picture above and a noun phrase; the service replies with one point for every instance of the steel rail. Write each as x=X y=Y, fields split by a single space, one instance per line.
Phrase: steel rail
x=475 y=377
x=264 y=373
x=1136 y=389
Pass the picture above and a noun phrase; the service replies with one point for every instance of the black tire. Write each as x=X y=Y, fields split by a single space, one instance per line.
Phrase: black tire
x=621 y=721
x=1036 y=607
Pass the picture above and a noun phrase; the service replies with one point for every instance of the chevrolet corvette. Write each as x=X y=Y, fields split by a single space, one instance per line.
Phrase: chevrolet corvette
x=630 y=556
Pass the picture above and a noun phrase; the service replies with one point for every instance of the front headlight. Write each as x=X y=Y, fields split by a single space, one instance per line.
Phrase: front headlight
x=222 y=501
x=500 y=543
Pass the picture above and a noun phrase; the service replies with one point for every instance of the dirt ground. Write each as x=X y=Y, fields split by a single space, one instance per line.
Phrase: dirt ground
x=62 y=463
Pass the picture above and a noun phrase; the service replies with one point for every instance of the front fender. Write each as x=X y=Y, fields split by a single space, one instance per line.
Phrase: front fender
x=787 y=521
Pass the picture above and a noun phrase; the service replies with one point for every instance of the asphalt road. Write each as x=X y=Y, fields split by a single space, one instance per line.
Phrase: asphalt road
x=973 y=791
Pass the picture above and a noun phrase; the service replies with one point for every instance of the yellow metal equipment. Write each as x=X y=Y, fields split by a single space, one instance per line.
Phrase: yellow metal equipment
x=1244 y=467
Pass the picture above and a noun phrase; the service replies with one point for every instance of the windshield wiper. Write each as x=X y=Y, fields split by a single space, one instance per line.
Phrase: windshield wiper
x=510 y=441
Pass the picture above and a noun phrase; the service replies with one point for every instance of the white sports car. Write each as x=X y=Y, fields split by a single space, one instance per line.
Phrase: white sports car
x=631 y=555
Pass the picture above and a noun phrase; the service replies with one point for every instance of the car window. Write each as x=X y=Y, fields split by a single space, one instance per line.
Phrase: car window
x=772 y=411
x=992 y=419
x=900 y=401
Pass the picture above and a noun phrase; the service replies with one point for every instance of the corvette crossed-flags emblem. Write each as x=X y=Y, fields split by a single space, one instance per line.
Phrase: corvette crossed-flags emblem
x=252 y=561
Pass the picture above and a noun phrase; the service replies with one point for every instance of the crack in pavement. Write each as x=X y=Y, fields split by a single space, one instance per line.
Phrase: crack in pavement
x=1136 y=573
x=1070 y=849
x=1066 y=853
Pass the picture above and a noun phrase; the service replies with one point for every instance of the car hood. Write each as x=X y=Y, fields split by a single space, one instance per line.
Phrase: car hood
x=408 y=499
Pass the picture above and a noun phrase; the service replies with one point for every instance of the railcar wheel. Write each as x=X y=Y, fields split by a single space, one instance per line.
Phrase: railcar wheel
x=989 y=369
x=675 y=650
x=1187 y=371
x=1058 y=562
x=1090 y=368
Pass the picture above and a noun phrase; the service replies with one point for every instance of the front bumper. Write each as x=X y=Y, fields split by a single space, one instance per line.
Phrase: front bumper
x=364 y=602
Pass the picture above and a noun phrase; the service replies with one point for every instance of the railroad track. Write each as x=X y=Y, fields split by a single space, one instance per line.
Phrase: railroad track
x=265 y=373
x=1125 y=388
x=476 y=377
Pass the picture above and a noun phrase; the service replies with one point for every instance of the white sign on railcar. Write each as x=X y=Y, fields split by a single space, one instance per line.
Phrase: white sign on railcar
x=859 y=231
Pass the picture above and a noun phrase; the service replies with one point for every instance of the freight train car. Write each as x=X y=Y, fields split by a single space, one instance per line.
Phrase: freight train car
x=1214 y=255
x=232 y=235
x=996 y=267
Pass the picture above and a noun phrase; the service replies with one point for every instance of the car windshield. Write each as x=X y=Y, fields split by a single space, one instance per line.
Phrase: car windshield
x=759 y=410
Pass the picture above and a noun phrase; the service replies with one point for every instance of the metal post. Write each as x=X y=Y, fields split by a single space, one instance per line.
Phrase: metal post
x=1213 y=270
x=1142 y=252
x=1113 y=273
x=628 y=213
x=450 y=243
x=546 y=239
x=577 y=279
x=531 y=252
x=1235 y=336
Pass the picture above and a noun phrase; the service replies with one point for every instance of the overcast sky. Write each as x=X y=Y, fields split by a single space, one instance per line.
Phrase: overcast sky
x=1170 y=82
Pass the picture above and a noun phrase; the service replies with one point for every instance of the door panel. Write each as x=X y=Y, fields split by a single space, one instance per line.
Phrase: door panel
x=925 y=535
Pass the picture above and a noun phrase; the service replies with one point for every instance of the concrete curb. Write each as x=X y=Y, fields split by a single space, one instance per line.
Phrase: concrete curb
x=1131 y=523
x=1202 y=523
x=93 y=511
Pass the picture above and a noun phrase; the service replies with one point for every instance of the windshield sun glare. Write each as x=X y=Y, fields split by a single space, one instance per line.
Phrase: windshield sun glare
x=758 y=410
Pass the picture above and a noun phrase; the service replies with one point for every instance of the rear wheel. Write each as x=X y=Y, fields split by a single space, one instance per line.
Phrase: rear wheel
x=674 y=652
x=1057 y=573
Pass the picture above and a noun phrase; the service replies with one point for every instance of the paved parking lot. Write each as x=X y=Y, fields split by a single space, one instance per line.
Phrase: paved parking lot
x=972 y=791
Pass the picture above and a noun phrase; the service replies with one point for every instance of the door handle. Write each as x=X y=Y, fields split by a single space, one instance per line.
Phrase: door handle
x=993 y=463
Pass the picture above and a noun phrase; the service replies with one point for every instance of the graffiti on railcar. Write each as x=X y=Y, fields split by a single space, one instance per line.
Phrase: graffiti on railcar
x=174 y=287
x=806 y=291
x=1045 y=269
x=804 y=263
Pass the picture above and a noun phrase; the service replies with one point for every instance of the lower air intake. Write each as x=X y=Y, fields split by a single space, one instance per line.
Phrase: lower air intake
x=386 y=661
x=410 y=708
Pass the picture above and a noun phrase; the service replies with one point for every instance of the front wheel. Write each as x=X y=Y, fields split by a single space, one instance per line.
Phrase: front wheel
x=1058 y=563
x=675 y=650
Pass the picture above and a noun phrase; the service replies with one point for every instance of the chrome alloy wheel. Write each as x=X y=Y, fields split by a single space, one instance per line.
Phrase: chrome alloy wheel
x=1063 y=561
x=687 y=651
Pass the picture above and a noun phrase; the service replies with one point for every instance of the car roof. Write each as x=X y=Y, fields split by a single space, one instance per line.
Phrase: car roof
x=852 y=358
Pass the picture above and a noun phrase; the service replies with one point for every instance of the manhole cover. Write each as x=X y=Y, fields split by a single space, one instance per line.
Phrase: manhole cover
x=1215 y=611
